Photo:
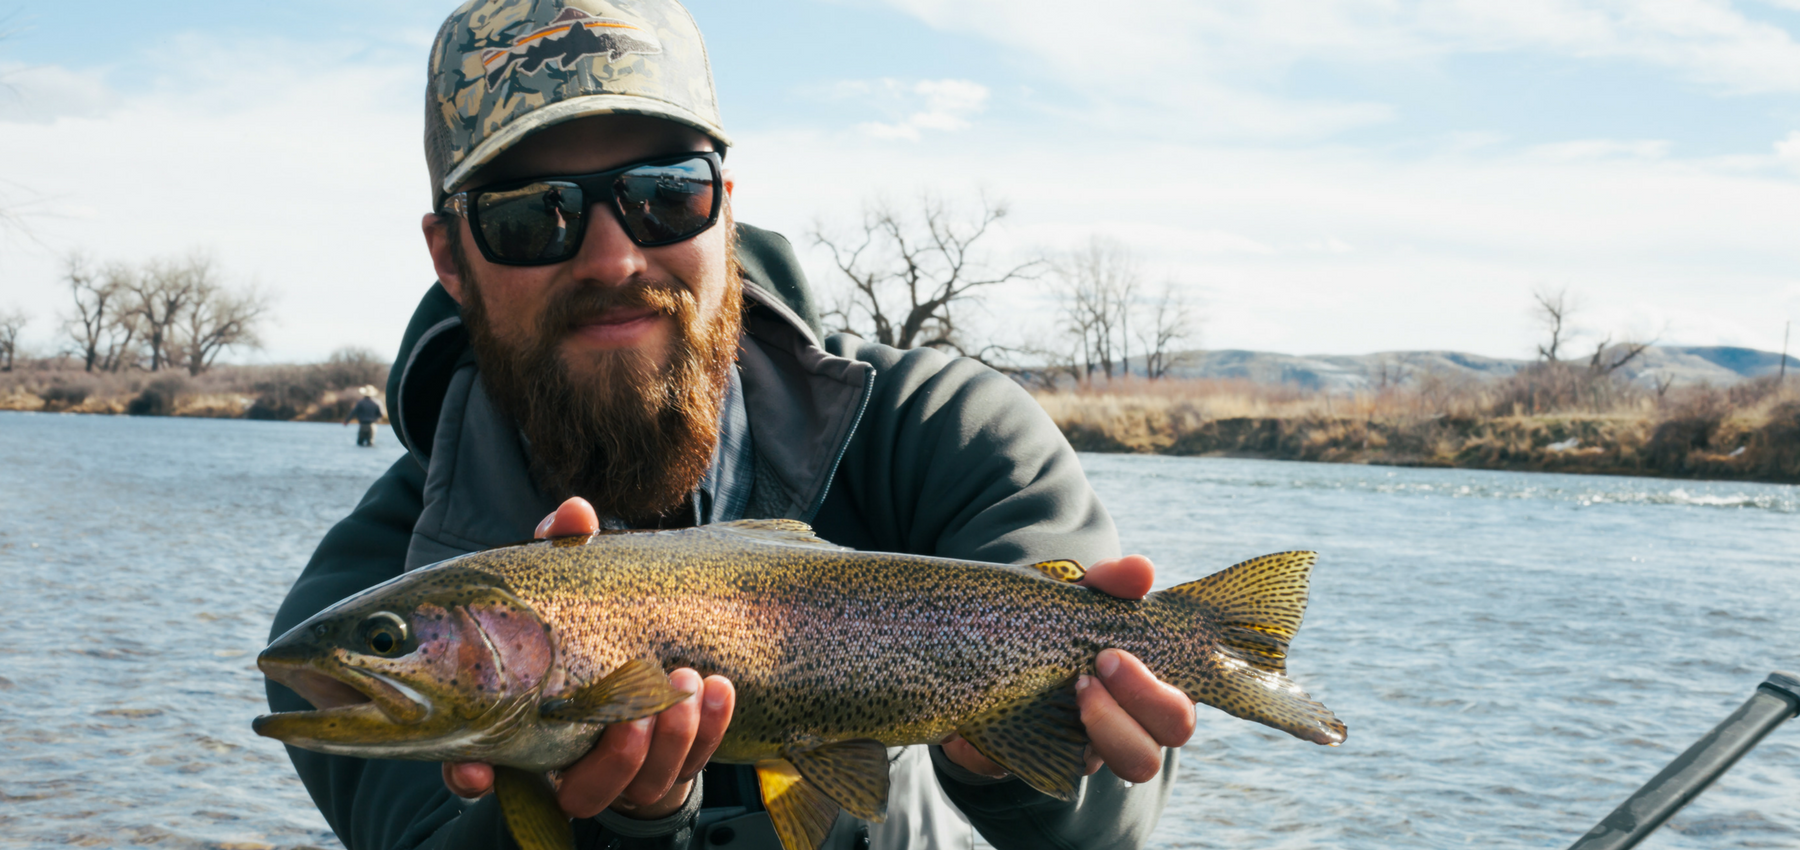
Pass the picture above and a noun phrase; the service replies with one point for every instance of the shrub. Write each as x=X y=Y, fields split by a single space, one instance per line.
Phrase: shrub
x=61 y=395
x=349 y=368
x=1688 y=425
x=158 y=399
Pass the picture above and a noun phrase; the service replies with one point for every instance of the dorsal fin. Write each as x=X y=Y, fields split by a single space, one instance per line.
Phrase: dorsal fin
x=1258 y=604
x=788 y=531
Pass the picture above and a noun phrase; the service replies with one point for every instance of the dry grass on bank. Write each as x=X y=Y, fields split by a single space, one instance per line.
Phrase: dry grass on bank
x=1529 y=422
x=314 y=392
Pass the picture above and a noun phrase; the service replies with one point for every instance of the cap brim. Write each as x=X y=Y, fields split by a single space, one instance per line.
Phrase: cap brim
x=569 y=110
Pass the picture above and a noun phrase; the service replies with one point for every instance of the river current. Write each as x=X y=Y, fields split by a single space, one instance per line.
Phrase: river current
x=1513 y=653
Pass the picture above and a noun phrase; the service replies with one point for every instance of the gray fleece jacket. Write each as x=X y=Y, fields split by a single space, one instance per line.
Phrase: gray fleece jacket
x=907 y=451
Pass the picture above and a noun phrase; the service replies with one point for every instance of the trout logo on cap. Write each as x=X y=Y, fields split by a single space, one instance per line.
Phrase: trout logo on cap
x=570 y=37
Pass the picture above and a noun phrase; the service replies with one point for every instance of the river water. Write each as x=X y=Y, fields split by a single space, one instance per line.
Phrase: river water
x=1514 y=653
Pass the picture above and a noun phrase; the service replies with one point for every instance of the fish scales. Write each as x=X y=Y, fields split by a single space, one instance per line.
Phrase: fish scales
x=520 y=656
x=823 y=644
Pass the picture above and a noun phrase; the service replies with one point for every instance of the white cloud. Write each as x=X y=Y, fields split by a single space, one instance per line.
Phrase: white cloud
x=1601 y=149
x=299 y=169
x=1341 y=250
x=1788 y=150
x=1211 y=67
x=39 y=94
x=914 y=107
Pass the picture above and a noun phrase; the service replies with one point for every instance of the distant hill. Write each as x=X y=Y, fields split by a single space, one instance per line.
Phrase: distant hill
x=1716 y=365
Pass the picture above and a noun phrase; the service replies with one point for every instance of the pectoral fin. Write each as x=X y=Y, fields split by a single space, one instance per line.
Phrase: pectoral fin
x=852 y=773
x=639 y=688
x=1040 y=740
x=532 y=814
x=802 y=814
x=1064 y=570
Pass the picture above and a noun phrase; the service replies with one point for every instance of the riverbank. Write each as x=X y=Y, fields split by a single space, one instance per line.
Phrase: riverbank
x=1749 y=432
x=311 y=392
x=1748 y=435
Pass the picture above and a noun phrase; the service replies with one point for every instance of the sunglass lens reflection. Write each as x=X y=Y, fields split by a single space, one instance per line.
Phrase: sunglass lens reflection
x=540 y=221
x=663 y=203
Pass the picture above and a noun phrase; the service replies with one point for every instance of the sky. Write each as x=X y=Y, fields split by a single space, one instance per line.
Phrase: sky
x=1317 y=176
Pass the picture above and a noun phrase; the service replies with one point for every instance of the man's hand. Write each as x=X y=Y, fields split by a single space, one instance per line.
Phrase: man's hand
x=644 y=768
x=1130 y=715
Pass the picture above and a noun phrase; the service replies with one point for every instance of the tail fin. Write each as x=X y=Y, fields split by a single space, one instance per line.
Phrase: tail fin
x=1250 y=612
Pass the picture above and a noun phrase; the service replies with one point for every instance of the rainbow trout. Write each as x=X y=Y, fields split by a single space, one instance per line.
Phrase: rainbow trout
x=520 y=656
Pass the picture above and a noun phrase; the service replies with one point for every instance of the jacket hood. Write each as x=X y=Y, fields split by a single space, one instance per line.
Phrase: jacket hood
x=435 y=344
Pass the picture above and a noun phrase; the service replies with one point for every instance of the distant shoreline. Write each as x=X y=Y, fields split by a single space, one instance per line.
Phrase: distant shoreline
x=1758 y=443
x=1704 y=466
x=186 y=415
x=312 y=392
x=1618 y=446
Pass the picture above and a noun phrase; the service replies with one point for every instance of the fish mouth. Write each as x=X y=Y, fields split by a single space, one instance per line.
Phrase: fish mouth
x=347 y=701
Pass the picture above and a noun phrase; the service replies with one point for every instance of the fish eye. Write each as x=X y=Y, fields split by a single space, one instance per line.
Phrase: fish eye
x=384 y=633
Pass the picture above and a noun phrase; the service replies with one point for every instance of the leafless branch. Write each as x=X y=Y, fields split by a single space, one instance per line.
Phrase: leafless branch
x=908 y=274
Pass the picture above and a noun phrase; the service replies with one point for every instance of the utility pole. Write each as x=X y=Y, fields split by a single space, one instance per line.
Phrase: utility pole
x=1784 y=341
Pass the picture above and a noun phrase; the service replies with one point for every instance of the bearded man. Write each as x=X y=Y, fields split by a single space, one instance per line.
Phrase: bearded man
x=607 y=348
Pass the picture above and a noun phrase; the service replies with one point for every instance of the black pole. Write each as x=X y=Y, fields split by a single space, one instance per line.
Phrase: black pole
x=1775 y=700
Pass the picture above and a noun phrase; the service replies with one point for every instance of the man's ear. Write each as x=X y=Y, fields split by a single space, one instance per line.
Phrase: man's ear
x=439 y=230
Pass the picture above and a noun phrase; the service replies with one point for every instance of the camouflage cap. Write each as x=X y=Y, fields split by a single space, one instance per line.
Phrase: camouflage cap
x=504 y=69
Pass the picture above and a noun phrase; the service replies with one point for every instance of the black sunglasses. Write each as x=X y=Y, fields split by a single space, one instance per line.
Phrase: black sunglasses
x=540 y=220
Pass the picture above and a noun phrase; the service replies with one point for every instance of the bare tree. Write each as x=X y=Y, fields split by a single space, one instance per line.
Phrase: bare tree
x=1166 y=322
x=908 y=275
x=1609 y=358
x=102 y=326
x=160 y=297
x=216 y=319
x=1552 y=313
x=1393 y=372
x=1097 y=284
x=11 y=323
x=1663 y=383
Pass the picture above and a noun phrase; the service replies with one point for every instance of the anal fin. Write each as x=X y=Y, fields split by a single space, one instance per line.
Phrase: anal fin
x=639 y=688
x=1040 y=740
x=532 y=814
x=852 y=773
x=1243 y=688
x=1062 y=570
x=802 y=814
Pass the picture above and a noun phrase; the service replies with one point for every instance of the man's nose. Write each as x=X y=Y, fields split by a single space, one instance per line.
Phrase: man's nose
x=607 y=256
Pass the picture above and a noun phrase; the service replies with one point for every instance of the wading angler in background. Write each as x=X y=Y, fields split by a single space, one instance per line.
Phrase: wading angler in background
x=367 y=412
x=607 y=348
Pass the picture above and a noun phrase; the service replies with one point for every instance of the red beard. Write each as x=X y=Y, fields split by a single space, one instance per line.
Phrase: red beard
x=629 y=434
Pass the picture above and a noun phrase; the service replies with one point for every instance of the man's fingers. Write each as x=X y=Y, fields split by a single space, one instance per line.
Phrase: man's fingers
x=964 y=753
x=671 y=737
x=574 y=516
x=717 y=700
x=1129 y=577
x=593 y=782
x=468 y=779
x=1160 y=708
x=1115 y=737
